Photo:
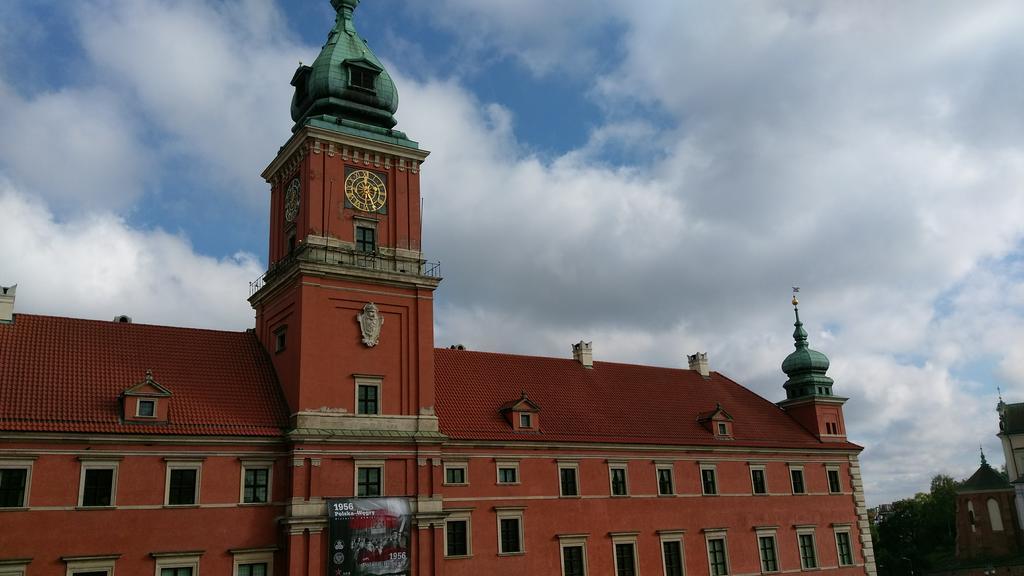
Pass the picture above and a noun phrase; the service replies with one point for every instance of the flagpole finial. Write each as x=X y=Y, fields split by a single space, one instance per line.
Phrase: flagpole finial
x=796 y=290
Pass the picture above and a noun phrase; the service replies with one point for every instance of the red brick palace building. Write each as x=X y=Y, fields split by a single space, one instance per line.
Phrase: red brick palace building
x=335 y=439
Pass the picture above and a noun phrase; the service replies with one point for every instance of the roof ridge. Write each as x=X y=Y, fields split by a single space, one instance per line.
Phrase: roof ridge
x=133 y=323
x=562 y=359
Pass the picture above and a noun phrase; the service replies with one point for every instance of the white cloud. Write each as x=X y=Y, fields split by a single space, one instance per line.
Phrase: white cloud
x=76 y=147
x=214 y=78
x=98 y=266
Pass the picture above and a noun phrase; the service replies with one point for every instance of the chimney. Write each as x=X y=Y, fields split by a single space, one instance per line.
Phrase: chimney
x=699 y=362
x=7 y=303
x=583 y=353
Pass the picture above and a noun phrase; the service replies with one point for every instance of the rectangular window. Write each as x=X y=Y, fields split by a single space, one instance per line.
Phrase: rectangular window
x=758 y=481
x=572 y=561
x=146 y=409
x=186 y=564
x=797 y=477
x=97 y=487
x=618 y=478
x=508 y=472
x=457 y=538
x=256 y=489
x=625 y=559
x=361 y=78
x=455 y=474
x=723 y=430
x=845 y=550
x=707 y=476
x=717 y=560
x=368 y=482
x=256 y=569
x=834 y=485
x=183 y=571
x=567 y=477
x=510 y=537
x=525 y=421
x=183 y=485
x=13 y=483
x=366 y=239
x=665 y=487
x=808 y=556
x=672 y=553
x=368 y=402
x=280 y=339
x=769 y=559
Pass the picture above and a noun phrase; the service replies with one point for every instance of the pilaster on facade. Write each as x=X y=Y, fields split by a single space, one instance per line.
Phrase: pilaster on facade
x=863 y=523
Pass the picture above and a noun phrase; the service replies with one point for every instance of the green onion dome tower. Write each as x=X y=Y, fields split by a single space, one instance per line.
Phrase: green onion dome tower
x=347 y=87
x=805 y=367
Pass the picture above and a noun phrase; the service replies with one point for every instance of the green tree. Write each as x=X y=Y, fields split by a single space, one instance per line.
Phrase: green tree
x=918 y=530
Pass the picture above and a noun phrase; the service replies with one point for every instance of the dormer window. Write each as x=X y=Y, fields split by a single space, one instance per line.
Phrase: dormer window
x=522 y=414
x=146 y=401
x=362 y=75
x=718 y=422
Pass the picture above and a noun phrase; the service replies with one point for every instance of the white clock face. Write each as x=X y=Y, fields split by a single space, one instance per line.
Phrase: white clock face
x=292 y=198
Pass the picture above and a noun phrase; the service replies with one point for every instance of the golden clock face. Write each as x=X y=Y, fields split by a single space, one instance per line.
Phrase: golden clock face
x=365 y=190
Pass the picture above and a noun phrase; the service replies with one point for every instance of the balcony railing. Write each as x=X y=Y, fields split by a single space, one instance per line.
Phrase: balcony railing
x=344 y=257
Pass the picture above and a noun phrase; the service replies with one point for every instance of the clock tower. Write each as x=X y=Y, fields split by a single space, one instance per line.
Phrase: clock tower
x=345 y=309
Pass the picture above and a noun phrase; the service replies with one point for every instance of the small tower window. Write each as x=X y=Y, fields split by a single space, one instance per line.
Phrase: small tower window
x=366 y=239
x=280 y=339
x=362 y=78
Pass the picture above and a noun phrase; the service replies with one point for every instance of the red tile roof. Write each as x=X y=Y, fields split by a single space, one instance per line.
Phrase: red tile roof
x=67 y=374
x=616 y=403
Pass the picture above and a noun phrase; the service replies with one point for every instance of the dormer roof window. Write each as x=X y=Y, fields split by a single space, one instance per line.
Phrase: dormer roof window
x=362 y=74
x=522 y=414
x=718 y=422
x=146 y=401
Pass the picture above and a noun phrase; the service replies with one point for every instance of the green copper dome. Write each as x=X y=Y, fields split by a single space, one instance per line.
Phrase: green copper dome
x=346 y=86
x=805 y=367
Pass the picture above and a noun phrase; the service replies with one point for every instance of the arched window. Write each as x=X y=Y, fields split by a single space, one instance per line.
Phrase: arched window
x=970 y=514
x=993 y=515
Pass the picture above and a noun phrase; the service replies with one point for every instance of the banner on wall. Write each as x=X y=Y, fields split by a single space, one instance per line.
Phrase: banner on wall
x=369 y=537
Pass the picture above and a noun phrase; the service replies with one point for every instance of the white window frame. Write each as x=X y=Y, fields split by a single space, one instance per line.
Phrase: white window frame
x=803 y=479
x=256 y=464
x=829 y=468
x=76 y=564
x=360 y=464
x=463 y=515
x=844 y=529
x=464 y=466
x=505 y=513
x=714 y=471
x=571 y=541
x=528 y=419
x=499 y=464
x=807 y=531
x=672 y=536
x=98 y=464
x=766 y=532
x=658 y=467
x=764 y=474
x=138 y=407
x=20 y=463
x=182 y=464
x=252 y=556
x=624 y=538
x=177 y=560
x=373 y=381
x=716 y=534
x=617 y=465
x=575 y=467
x=14 y=566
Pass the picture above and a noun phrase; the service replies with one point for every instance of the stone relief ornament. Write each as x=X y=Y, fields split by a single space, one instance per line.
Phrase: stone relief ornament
x=370 y=322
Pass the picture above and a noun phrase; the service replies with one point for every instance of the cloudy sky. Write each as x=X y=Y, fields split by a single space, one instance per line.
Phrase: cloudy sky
x=653 y=176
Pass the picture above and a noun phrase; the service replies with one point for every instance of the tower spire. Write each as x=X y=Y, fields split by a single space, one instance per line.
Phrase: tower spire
x=805 y=367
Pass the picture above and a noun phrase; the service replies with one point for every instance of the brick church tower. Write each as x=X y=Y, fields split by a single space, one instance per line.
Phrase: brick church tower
x=345 y=309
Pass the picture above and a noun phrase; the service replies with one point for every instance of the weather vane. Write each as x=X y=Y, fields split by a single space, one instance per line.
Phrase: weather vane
x=796 y=290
